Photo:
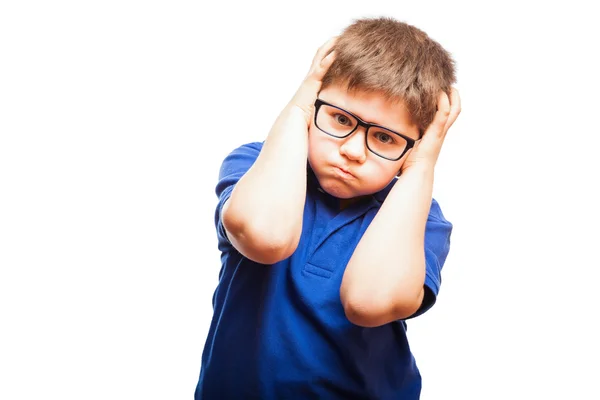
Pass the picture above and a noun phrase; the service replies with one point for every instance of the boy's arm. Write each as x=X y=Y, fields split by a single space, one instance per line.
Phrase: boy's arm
x=263 y=216
x=384 y=279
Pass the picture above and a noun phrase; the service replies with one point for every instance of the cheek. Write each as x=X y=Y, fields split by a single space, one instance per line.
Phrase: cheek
x=386 y=168
x=382 y=173
x=319 y=145
x=313 y=149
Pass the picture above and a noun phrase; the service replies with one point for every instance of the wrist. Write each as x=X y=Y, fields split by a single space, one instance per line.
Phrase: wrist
x=306 y=95
x=422 y=168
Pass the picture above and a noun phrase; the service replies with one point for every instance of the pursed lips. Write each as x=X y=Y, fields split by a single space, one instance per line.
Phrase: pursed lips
x=344 y=171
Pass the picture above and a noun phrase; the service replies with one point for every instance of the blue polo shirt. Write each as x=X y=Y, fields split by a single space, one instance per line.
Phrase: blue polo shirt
x=280 y=332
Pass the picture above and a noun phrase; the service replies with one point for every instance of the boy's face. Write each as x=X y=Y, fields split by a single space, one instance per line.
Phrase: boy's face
x=345 y=167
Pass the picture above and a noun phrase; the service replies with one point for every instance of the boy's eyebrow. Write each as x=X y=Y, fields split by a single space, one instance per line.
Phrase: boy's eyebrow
x=402 y=131
x=354 y=113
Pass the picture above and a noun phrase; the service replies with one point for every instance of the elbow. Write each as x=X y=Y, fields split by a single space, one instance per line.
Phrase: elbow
x=369 y=310
x=263 y=245
x=266 y=249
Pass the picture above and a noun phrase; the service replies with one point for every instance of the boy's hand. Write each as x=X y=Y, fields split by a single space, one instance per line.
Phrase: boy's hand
x=427 y=149
x=305 y=97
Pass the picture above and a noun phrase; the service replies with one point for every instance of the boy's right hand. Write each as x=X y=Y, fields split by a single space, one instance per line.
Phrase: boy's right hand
x=305 y=97
x=263 y=217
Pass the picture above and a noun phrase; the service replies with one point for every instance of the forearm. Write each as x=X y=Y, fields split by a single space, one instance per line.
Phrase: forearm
x=268 y=202
x=263 y=216
x=385 y=276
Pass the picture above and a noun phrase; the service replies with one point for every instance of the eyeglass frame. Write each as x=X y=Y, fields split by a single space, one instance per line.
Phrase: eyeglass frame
x=410 y=142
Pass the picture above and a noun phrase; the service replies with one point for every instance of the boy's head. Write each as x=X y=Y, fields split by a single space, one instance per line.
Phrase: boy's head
x=386 y=73
x=395 y=59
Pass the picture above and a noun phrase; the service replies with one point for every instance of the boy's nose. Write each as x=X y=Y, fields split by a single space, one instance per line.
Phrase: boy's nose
x=354 y=146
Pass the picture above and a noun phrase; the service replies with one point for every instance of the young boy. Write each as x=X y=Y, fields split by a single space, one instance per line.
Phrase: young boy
x=329 y=235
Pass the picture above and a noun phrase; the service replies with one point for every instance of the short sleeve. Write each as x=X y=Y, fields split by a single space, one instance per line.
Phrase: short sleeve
x=234 y=166
x=437 y=246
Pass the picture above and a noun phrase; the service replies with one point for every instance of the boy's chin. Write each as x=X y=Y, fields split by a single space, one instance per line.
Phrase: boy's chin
x=343 y=190
x=339 y=190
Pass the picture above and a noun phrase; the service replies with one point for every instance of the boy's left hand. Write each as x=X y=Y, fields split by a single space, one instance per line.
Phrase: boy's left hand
x=427 y=149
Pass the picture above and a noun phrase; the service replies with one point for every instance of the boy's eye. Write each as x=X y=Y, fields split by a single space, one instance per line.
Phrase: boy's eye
x=384 y=137
x=342 y=119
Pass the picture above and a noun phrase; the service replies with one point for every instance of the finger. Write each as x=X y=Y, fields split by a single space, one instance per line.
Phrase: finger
x=327 y=61
x=455 y=108
x=323 y=51
x=318 y=72
x=321 y=62
x=436 y=128
x=308 y=91
x=306 y=94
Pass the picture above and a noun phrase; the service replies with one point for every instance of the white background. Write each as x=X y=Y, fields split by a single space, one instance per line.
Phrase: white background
x=114 y=119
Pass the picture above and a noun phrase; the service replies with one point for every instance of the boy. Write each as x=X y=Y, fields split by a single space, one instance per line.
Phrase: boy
x=329 y=235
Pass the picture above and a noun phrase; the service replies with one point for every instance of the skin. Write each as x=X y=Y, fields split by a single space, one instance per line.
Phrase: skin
x=384 y=278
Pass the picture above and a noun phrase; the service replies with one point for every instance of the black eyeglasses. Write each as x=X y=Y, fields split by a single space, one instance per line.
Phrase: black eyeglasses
x=340 y=123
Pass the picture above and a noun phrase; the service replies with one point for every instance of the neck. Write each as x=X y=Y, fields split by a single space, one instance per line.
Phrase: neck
x=344 y=203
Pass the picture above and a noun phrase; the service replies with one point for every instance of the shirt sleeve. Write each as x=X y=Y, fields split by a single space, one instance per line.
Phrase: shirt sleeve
x=234 y=166
x=437 y=246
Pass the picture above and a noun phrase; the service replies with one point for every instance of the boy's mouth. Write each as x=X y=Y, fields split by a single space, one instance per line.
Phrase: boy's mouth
x=344 y=172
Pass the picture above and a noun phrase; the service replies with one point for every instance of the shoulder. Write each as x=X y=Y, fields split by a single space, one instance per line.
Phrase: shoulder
x=436 y=215
x=249 y=147
x=438 y=231
x=240 y=159
x=245 y=151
